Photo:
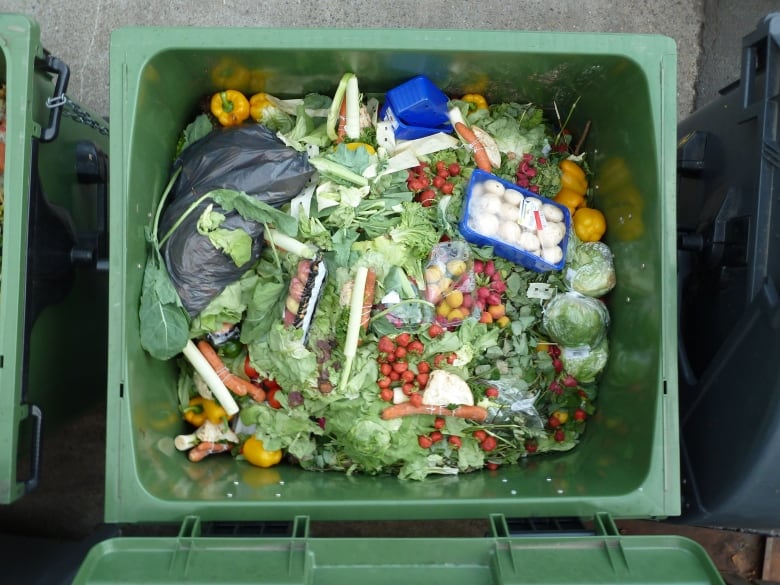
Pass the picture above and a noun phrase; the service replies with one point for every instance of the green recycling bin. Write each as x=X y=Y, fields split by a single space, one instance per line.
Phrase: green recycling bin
x=54 y=283
x=627 y=464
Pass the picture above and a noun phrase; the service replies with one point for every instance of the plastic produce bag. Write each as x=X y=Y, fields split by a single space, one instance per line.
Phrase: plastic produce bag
x=586 y=363
x=515 y=404
x=590 y=270
x=248 y=158
x=573 y=320
x=401 y=307
x=450 y=281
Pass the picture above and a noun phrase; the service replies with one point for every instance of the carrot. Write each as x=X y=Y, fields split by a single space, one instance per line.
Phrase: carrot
x=407 y=409
x=237 y=385
x=480 y=155
x=202 y=450
x=368 y=298
x=341 y=131
x=2 y=147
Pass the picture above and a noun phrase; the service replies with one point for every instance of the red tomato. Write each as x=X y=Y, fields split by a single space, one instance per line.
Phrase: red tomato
x=249 y=370
x=272 y=401
x=435 y=330
x=489 y=444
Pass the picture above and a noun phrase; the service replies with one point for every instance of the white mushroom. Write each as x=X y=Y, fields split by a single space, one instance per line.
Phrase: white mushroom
x=529 y=242
x=551 y=235
x=509 y=212
x=513 y=197
x=509 y=232
x=493 y=186
x=551 y=212
x=552 y=255
x=484 y=223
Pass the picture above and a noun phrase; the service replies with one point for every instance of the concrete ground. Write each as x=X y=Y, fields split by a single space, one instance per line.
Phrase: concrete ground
x=68 y=504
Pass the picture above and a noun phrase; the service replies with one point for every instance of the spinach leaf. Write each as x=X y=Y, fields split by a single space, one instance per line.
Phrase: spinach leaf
x=164 y=322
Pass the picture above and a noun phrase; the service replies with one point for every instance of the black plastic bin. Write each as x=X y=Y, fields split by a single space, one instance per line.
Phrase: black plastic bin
x=729 y=287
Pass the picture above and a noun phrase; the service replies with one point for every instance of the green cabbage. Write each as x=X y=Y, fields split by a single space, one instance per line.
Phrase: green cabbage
x=590 y=269
x=585 y=364
x=572 y=319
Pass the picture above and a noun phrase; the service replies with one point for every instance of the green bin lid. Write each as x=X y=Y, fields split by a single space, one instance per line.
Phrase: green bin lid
x=191 y=558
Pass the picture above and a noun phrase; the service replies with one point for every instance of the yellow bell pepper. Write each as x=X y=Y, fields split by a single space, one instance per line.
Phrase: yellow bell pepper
x=570 y=199
x=258 y=104
x=573 y=177
x=478 y=100
x=230 y=107
x=199 y=410
x=356 y=145
x=254 y=452
x=589 y=224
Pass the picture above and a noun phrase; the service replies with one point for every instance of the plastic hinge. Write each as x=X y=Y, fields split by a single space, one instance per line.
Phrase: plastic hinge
x=180 y=559
x=613 y=545
x=249 y=529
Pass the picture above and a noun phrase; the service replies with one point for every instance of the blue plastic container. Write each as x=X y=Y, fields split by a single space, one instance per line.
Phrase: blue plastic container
x=469 y=229
x=419 y=102
x=405 y=131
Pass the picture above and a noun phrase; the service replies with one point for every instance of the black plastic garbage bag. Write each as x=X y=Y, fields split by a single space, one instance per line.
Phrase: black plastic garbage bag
x=248 y=158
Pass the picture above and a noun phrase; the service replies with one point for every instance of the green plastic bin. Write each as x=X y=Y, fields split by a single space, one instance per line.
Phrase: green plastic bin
x=627 y=465
x=53 y=297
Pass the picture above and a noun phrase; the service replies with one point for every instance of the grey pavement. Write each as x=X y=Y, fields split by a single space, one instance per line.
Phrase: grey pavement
x=707 y=32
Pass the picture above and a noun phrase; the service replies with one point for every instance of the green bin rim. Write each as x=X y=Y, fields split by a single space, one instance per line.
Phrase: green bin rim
x=133 y=47
x=19 y=47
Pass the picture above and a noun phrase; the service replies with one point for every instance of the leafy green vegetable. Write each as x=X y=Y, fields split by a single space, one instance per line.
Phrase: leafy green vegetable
x=416 y=230
x=235 y=243
x=253 y=209
x=195 y=130
x=284 y=354
x=517 y=128
x=266 y=305
x=586 y=364
x=589 y=268
x=574 y=320
x=164 y=323
x=227 y=307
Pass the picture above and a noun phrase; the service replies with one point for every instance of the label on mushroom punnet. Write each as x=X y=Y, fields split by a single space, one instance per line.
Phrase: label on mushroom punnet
x=531 y=216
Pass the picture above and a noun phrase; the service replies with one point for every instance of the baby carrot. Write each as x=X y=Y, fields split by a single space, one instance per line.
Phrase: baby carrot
x=407 y=409
x=237 y=385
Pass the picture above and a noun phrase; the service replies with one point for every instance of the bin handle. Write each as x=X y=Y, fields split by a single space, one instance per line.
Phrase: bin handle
x=55 y=103
x=35 y=460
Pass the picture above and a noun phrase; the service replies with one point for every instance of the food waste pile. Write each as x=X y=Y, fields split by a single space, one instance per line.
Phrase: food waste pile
x=350 y=284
